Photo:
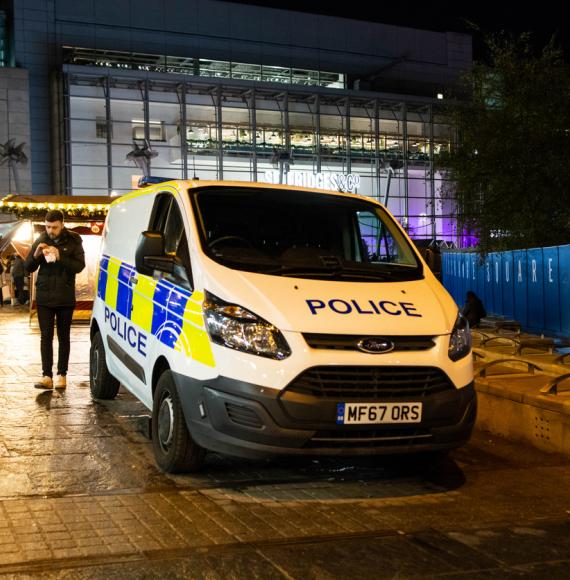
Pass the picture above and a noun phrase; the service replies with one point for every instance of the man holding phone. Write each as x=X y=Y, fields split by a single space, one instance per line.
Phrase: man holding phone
x=59 y=255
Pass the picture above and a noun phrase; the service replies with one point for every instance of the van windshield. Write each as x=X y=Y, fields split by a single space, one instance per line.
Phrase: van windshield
x=302 y=234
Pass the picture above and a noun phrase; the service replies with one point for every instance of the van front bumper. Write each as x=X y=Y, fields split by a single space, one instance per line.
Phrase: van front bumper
x=252 y=421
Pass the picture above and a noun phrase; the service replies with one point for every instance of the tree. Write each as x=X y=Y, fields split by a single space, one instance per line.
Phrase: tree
x=508 y=173
x=13 y=155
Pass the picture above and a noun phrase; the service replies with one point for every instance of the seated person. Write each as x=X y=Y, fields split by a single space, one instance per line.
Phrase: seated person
x=473 y=309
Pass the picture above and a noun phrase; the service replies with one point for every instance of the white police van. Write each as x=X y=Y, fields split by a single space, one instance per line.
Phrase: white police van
x=259 y=320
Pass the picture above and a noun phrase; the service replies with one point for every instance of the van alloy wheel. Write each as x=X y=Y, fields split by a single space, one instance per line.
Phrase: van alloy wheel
x=174 y=449
x=94 y=366
x=166 y=423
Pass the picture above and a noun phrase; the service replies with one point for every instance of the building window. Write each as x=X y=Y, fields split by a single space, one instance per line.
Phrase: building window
x=202 y=67
x=101 y=128
x=156 y=130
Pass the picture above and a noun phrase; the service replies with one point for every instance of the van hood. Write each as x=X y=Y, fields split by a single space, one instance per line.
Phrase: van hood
x=322 y=306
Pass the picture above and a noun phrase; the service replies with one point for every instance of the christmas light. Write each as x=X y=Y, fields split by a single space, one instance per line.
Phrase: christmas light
x=36 y=210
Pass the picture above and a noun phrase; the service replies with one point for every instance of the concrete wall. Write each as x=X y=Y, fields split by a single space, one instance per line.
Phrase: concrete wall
x=15 y=124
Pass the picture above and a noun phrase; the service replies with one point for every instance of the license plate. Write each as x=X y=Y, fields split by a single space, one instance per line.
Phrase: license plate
x=376 y=413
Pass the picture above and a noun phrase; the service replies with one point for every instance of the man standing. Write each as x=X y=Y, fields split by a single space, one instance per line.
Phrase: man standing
x=58 y=253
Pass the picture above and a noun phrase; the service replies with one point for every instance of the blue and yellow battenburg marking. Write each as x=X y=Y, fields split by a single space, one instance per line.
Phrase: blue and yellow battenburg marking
x=168 y=312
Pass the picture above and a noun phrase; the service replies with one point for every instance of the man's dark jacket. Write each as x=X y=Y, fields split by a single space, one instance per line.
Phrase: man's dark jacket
x=55 y=284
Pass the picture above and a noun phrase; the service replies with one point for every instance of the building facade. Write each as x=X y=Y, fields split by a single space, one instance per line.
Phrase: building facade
x=222 y=90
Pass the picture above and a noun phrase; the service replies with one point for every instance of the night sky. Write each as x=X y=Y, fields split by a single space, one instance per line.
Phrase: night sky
x=542 y=19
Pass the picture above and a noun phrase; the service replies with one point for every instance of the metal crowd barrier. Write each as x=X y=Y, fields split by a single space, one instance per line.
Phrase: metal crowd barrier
x=530 y=286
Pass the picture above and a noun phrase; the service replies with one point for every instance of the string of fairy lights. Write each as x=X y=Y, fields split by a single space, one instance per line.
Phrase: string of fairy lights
x=36 y=210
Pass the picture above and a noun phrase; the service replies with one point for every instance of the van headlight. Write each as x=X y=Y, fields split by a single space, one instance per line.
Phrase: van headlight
x=460 y=339
x=236 y=327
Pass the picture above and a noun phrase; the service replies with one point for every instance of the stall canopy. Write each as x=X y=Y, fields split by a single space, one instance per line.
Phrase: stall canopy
x=75 y=208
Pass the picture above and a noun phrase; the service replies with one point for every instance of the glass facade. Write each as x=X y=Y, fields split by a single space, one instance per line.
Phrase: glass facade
x=202 y=67
x=380 y=148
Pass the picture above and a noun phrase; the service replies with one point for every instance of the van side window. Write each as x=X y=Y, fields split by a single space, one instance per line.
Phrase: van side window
x=173 y=229
x=160 y=212
x=167 y=218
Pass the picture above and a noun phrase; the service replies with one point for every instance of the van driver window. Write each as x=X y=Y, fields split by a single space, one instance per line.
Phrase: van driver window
x=173 y=229
x=167 y=218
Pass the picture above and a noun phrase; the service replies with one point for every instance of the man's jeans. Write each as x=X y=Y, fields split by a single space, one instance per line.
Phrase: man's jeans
x=62 y=317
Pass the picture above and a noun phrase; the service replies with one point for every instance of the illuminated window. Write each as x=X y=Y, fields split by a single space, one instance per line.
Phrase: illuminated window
x=202 y=67
x=156 y=130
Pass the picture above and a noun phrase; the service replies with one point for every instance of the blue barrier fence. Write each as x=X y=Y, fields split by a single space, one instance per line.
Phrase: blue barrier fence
x=531 y=286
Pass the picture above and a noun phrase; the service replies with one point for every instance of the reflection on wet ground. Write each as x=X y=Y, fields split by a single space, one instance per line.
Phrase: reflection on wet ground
x=62 y=442
x=54 y=443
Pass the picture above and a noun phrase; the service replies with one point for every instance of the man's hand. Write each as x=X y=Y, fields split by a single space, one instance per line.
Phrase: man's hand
x=51 y=254
x=40 y=250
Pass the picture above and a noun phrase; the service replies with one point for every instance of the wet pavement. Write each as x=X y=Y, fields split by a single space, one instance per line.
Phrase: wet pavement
x=80 y=497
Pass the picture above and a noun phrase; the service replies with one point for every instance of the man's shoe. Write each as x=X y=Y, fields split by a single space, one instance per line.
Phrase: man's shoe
x=45 y=383
x=61 y=382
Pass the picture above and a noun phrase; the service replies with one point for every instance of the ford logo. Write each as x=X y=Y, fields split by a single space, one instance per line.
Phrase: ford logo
x=375 y=345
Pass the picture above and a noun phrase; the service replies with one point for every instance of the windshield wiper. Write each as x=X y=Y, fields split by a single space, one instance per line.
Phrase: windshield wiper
x=256 y=264
x=331 y=270
x=390 y=274
x=328 y=272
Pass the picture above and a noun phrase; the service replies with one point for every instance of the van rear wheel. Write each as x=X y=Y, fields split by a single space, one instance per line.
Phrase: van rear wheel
x=102 y=383
x=174 y=449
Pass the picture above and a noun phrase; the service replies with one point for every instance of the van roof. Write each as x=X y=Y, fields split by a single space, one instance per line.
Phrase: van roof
x=195 y=184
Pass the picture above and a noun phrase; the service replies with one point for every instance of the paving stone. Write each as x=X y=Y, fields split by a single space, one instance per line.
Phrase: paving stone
x=79 y=481
x=520 y=544
x=353 y=559
x=88 y=540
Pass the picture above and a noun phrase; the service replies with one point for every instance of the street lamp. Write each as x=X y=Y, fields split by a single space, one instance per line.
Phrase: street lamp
x=390 y=167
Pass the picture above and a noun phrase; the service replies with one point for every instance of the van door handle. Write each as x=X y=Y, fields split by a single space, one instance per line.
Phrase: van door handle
x=133 y=279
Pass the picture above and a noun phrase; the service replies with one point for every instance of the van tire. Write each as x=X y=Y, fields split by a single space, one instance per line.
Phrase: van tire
x=174 y=449
x=102 y=383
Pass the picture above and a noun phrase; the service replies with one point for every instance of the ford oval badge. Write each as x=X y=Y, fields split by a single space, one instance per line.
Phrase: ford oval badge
x=375 y=345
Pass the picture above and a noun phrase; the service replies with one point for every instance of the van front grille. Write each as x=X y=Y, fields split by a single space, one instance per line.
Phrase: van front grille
x=370 y=382
x=350 y=341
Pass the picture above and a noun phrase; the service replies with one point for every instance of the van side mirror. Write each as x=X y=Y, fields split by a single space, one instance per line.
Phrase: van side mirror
x=149 y=255
x=160 y=263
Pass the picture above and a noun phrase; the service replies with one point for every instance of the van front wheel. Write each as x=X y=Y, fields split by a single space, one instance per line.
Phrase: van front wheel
x=102 y=383
x=174 y=449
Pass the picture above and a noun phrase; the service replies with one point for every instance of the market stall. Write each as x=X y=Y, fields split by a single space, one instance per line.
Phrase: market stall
x=84 y=215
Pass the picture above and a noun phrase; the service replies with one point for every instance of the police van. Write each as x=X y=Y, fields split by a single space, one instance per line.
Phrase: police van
x=259 y=320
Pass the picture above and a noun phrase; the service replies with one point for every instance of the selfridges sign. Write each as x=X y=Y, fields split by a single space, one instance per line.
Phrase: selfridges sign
x=334 y=181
